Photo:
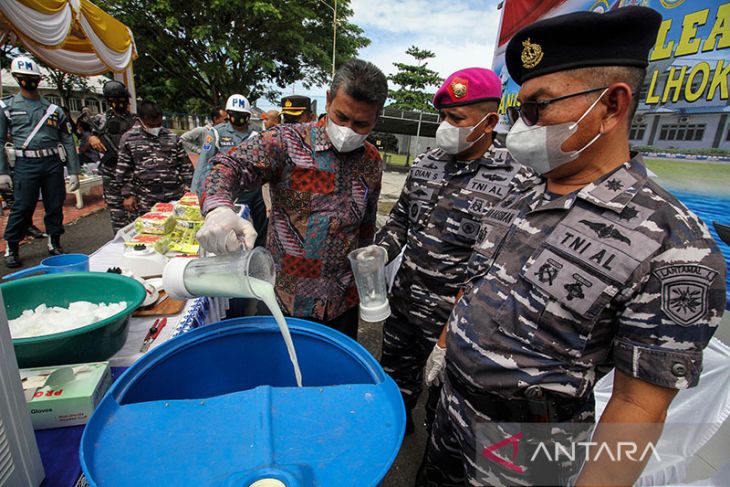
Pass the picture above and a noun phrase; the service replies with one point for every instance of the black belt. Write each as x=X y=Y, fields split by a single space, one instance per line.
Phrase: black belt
x=548 y=408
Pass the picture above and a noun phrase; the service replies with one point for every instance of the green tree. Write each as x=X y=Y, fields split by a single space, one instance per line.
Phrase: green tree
x=198 y=52
x=414 y=81
x=66 y=84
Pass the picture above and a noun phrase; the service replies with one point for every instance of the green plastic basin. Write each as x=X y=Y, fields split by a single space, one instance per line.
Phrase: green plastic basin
x=91 y=343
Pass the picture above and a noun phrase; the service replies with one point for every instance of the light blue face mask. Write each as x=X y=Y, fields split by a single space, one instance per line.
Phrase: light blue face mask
x=539 y=146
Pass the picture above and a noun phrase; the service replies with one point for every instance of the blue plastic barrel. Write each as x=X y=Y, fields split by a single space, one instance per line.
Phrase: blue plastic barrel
x=219 y=406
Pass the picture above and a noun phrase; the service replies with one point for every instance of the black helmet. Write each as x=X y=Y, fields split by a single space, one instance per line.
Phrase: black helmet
x=115 y=89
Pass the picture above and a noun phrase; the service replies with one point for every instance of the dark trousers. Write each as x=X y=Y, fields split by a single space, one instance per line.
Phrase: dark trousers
x=406 y=347
x=120 y=218
x=32 y=176
x=454 y=452
x=345 y=323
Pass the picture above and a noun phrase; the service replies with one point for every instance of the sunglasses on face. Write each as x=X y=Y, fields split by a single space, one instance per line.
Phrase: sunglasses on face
x=529 y=111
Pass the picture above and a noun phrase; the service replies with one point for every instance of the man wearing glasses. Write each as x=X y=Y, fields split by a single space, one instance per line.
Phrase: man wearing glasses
x=598 y=268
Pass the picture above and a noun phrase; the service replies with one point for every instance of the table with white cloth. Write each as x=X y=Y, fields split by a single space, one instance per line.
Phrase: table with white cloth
x=195 y=313
x=59 y=446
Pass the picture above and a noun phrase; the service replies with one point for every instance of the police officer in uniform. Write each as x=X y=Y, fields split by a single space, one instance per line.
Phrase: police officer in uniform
x=296 y=109
x=222 y=138
x=437 y=219
x=107 y=129
x=153 y=166
x=42 y=143
x=598 y=268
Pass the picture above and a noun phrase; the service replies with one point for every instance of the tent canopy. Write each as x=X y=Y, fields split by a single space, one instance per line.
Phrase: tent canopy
x=75 y=36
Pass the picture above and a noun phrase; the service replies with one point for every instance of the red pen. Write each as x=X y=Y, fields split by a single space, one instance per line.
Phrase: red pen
x=160 y=326
x=153 y=333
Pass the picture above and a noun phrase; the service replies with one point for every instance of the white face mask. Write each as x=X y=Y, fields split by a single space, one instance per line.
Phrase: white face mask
x=452 y=140
x=344 y=138
x=154 y=131
x=539 y=146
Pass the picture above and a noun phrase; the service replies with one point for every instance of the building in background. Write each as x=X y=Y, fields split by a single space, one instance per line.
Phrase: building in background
x=700 y=123
x=88 y=96
x=685 y=100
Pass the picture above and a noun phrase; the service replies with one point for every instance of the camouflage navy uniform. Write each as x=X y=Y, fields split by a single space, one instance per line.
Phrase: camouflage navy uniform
x=436 y=219
x=155 y=169
x=619 y=274
x=110 y=126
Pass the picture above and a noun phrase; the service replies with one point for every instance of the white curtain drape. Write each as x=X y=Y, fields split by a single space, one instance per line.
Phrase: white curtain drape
x=48 y=30
x=44 y=35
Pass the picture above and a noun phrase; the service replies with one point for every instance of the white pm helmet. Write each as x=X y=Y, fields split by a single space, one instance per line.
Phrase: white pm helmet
x=238 y=103
x=24 y=65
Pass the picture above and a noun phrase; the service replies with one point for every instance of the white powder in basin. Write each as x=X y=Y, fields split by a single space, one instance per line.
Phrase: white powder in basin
x=46 y=321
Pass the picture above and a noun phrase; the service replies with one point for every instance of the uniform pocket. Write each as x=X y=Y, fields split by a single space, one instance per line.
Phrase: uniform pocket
x=460 y=225
x=554 y=305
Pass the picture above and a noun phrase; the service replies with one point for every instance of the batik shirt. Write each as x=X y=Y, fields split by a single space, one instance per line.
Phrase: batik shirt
x=618 y=274
x=324 y=205
x=437 y=219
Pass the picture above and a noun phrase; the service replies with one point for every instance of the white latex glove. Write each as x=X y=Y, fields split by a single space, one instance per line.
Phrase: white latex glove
x=73 y=183
x=224 y=231
x=6 y=183
x=433 y=373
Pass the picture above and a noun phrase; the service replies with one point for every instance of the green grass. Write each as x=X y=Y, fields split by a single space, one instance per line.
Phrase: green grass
x=394 y=159
x=695 y=177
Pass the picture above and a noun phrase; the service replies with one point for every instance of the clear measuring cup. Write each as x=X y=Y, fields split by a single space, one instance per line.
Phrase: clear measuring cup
x=239 y=274
x=368 y=267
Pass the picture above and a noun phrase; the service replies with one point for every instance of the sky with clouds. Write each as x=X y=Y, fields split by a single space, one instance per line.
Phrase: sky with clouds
x=460 y=33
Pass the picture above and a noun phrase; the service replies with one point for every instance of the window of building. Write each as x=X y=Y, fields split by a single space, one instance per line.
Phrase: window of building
x=682 y=131
x=637 y=131
x=728 y=135
x=74 y=104
x=56 y=100
x=94 y=104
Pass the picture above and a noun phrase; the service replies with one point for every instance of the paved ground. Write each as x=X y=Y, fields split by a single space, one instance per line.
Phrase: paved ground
x=89 y=233
x=93 y=202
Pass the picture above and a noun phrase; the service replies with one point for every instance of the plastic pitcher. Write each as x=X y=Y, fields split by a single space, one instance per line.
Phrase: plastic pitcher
x=57 y=263
x=244 y=274
x=368 y=266
x=230 y=275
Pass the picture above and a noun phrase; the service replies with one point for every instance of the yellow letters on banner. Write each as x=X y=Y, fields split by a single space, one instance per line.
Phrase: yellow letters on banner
x=720 y=81
x=679 y=81
x=674 y=84
x=692 y=82
x=704 y=69
x=721 y=29
x=662 y=49
x=688 y=44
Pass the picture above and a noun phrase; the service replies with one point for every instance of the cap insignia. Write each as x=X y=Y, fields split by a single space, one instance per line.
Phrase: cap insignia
x=531 y=54
x=459 y=89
